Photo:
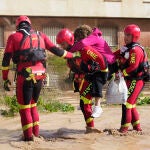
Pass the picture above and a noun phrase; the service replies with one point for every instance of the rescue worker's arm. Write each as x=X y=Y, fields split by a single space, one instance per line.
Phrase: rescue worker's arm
x=117 y=54
x=63 y=53
x=6 y=62
x=7 y=57
x=135 y=56
x=92 y=54
x=55 y=50
x=5 y=65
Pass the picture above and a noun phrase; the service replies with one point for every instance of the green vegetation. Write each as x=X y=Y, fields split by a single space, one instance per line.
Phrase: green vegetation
x=55 y=60
x=148 y=52
x=54 y=106
x=11 y=104
x=143 y=101
x=59 y=63
x=12 y=107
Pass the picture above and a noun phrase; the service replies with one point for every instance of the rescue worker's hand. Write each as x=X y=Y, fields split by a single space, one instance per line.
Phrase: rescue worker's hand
x=76 y=54
x=6 y=85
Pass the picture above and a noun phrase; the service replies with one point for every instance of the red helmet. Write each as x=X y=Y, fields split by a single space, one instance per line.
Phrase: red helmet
x=65 y=35
x=22 y=19
x=134 y=30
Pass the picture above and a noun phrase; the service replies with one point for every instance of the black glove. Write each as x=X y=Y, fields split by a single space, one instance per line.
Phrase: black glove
x=6 y=83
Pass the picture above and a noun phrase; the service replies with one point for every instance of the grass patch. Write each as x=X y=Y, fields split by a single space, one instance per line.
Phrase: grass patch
x=12 y=107
x=59 y=63
x=54 y=106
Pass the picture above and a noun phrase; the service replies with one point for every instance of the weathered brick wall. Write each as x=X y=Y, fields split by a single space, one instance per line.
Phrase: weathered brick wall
x=72 y=22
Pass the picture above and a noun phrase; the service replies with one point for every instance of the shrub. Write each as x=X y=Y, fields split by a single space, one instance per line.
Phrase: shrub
x=43 y=106
x=143 y=101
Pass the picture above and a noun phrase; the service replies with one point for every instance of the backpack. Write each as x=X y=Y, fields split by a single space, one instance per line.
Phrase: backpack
x=32 y=53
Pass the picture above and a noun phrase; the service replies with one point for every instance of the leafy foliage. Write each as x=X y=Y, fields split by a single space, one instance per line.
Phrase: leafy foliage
x=43 y=106
x=12 y=106
x=54 y=106
x=143 y=101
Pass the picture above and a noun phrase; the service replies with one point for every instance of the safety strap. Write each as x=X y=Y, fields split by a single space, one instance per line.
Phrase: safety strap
x=26 y=34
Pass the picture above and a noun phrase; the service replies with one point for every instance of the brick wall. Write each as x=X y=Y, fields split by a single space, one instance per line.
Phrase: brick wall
x=72 y=22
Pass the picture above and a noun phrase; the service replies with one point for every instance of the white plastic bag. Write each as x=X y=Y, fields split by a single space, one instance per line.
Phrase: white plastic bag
x=117 y=91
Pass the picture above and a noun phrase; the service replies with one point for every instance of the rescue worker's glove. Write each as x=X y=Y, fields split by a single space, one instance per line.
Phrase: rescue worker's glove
x=6 y=85
x=76 y=54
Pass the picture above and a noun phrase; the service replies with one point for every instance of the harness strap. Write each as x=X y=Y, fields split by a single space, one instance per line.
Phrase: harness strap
x=38 y=39
x=26 y=34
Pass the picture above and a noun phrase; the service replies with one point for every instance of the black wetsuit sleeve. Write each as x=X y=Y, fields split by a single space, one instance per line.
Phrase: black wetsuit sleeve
x=57 y=51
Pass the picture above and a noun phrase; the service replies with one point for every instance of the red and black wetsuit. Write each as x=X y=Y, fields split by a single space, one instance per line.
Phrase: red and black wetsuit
x=27 y=92
x=133 y=75
x=86 y=91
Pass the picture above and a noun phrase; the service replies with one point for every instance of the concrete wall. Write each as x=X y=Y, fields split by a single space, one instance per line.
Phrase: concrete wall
x=71 y=13
x=76 y=8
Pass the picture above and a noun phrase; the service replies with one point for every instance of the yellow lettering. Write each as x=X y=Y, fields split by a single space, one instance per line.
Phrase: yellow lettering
x=132 y=86
x=34 y=38
x=92 y=54
x=132 y=61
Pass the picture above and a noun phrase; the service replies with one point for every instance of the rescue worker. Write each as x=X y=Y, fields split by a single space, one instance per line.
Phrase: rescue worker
x=86 y=36
x=26 y=48
x=131 y=59
x=65 y=39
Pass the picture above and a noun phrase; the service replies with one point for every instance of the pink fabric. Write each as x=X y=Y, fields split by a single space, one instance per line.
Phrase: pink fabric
x=97 y=42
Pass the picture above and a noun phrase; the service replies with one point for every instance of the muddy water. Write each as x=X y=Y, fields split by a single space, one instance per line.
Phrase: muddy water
x=65 y=131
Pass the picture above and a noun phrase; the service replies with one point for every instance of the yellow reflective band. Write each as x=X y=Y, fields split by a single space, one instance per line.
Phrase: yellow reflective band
x=125 y=73
x=65 y=53
x=136 y=122
x=36 y=123
x=89 y=120
x=133 y=106
x=128 y=105
x=81 y=84
x=24 y=106
x=5 y=68
x=126 y=125
x=85 y=100
x=33 y=105
x=105 y=70
x=25 y=127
